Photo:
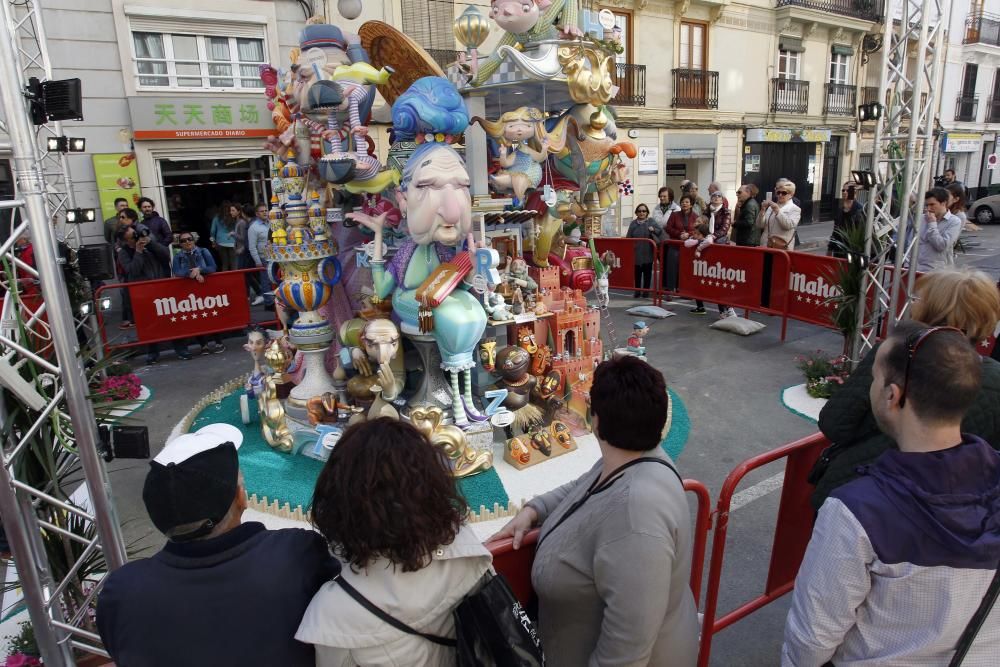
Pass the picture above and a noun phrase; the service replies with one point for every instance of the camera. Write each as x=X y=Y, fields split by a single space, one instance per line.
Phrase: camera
x=142 y=232
x=940 y=181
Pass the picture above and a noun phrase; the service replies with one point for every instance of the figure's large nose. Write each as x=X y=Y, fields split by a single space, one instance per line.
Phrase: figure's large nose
x=507 y=12
x=451 y=207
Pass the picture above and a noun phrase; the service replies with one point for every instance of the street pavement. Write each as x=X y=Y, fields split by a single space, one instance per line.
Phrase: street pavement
x=730 y=385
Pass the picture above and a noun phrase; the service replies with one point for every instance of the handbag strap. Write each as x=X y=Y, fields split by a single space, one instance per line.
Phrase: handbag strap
x=976 y=622
x=612 y=478
x=389 y=618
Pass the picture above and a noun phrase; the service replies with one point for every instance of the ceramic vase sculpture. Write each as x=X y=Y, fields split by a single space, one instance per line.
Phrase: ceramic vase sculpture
x=308 y=271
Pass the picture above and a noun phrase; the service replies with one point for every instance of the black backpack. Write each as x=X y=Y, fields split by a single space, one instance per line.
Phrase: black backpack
x=491 y=627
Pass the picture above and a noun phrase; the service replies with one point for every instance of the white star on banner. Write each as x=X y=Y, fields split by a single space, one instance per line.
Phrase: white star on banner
x=732 y=285
x=798 y=297
x=214 y=313
x=702 y=281
x=173 y=319
x=204 y=315
x=184 y=317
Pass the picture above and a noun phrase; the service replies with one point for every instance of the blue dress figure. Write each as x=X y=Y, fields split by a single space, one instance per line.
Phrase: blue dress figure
x=434 y=197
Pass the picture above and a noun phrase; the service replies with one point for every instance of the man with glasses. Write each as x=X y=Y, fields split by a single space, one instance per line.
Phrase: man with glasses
x=903 y=560
x=778 y=219
x=195 y=263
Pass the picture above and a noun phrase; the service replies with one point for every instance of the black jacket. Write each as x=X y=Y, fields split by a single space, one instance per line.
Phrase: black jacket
x=152 y=263
x=231 y=601
x=847 y=421
x=843 y=221
x=640 y=230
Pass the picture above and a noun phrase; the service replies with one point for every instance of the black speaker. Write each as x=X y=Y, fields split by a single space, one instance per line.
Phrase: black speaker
x=96 y=261
x=123 y=442
x=63 y=99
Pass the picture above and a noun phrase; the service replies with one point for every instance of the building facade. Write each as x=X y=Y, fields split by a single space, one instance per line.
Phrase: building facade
x=970 y=97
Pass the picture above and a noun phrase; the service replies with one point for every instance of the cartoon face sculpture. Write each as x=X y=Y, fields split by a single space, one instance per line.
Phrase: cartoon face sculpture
x=436 y=201
x=380 y=339
x=518 y=450
x=517 y=16
x=512 y=363
x=526 y=339
x=541 y=360
x=488 y=354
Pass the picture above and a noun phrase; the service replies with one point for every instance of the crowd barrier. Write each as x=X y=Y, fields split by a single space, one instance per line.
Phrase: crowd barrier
x=170 y=308
x=623 y=277
x=515 y=564
x=791 y=536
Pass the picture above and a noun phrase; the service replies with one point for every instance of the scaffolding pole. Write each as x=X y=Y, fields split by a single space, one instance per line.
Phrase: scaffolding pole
x=43 y=188
x=903 y=150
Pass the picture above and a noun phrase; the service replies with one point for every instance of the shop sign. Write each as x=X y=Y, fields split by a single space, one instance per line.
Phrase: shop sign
x=726 y=274
x=812 y=286
x=785 y=135
x=962 y=142
x=117 y=175
x=199 y=118
x=649 y=160
x=166 y=309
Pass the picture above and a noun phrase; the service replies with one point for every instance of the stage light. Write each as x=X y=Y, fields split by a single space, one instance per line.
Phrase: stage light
x=864 y=179
x=55 y=100
x=85 y=308
x=66 y=144
x=104 y=303
x=78 y=216
x=871 y=111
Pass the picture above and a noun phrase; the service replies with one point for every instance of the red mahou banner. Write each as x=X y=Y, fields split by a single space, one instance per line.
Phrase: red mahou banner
x=174 y=308
x=725 y=274
x=812 y=283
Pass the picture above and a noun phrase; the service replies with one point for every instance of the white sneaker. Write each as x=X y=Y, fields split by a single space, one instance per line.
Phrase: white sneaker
x=729 y=312
x=257 y=301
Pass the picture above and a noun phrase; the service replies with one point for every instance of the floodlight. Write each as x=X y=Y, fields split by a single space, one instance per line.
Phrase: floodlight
x=78 y=216
x=864 y=179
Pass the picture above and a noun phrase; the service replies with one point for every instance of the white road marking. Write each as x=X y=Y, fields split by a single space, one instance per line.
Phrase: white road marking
x=758 y=490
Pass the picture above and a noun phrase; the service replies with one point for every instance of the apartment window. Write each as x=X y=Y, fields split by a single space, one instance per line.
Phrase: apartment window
x=174 y=60
x=693 y=46
x=788 y=64
x=840 y=68
x=623 y=23
x=969 y=80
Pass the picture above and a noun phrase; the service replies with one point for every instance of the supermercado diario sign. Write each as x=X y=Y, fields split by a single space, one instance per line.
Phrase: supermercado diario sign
x=199 y=117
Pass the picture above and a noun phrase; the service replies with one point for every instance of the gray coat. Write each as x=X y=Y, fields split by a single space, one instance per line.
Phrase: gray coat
x=613 y=579
x=641 y=230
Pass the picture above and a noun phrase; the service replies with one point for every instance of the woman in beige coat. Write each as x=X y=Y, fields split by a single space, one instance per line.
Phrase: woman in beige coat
x=387 y=504
x=778 y=220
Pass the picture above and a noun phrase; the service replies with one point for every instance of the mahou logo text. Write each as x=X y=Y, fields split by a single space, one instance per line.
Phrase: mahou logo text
x=172 y=306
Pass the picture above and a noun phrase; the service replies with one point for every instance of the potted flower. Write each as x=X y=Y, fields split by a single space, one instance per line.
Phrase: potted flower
x=824 y=374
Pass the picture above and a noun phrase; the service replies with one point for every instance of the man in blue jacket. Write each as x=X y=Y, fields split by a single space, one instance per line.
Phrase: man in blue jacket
x=903 y=558
x=221 y=593
x=196 y=263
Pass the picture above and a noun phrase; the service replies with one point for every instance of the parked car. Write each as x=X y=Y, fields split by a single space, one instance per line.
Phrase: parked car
x=985 y=210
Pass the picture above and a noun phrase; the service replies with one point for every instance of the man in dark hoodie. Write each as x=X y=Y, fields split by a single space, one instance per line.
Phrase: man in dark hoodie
x=221 y=593
x=902 y=558
x=850 y=216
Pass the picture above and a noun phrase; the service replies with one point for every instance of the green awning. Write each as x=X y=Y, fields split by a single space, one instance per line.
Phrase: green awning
x=842 y=50
x=793 y=44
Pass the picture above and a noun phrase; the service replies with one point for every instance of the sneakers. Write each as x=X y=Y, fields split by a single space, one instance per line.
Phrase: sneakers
x=727 y=313
x=698 y=311
x=205 y=349
x=186 y=356
x=257 y=300
x=126 y=325
x=216 y=348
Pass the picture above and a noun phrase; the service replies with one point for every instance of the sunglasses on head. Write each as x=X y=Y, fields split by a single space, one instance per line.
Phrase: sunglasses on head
x=913 y=343
x=185 y=239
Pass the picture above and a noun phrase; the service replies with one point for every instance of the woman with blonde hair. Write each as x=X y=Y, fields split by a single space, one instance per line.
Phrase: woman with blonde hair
x=778 y=219
x=523 y=144
x=967 y=300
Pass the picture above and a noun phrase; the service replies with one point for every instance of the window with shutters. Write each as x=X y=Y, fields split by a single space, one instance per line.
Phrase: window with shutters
x=840 y=68
x=788 y=64
x=188 y=55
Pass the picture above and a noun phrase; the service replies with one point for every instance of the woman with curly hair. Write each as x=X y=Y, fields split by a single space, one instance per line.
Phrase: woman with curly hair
x=387 y=504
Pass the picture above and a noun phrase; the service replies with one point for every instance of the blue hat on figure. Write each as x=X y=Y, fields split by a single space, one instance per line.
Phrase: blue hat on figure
x=637 y=325
x=321 y=35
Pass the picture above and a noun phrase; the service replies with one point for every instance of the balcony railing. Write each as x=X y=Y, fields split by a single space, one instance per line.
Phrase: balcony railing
x=994 y=116
x=982 y=28
x=867 y=10
x=869 y=94
x=695 y=89
x=631 y=82
x=967 y=108
x=443 y=57
x=789 y=96
x=840 y=99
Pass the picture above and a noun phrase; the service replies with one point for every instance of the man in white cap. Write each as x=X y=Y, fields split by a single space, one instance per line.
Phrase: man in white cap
x=220 y=592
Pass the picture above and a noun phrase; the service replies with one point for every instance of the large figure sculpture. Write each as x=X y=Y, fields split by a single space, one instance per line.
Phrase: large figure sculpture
x=426 y=275
x=527 y=22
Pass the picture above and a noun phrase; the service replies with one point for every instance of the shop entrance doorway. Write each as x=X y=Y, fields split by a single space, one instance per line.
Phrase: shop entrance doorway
x=771 y=161
x=195 y=189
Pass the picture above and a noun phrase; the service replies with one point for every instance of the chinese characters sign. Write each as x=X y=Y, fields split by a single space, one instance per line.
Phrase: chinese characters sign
x=117 y=176
x=199 y=117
